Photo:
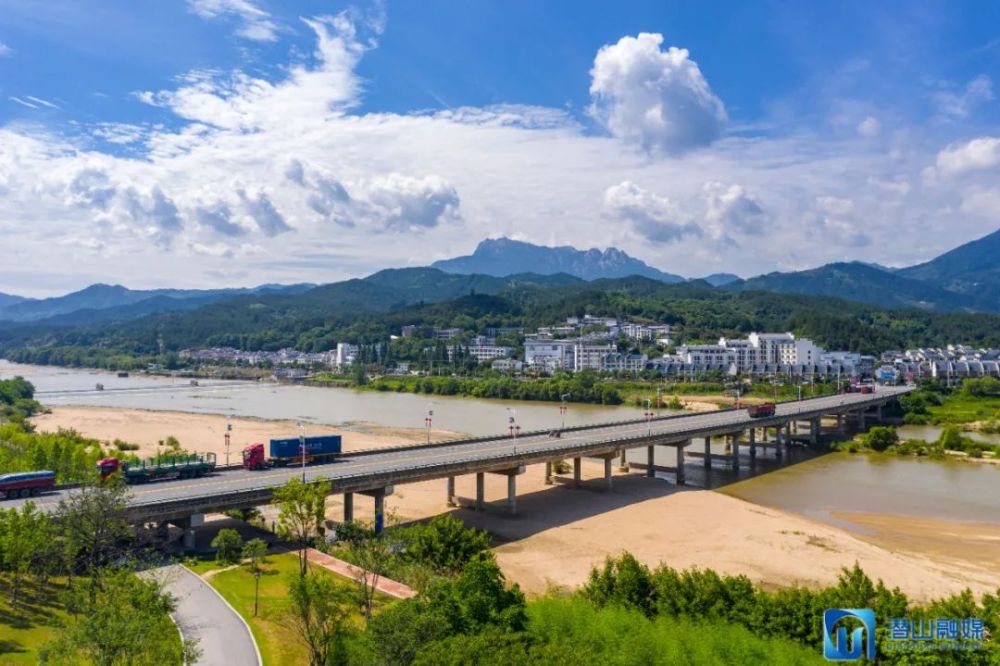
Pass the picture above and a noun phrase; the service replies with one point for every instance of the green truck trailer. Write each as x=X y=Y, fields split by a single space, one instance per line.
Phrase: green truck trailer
x=161 y=468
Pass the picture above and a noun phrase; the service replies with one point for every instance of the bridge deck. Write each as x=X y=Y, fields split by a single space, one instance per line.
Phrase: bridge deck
x=368 y=470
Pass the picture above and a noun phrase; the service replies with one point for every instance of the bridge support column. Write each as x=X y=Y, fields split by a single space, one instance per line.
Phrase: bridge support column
x=379 y=495
x=650 y=457
x=779 y=441
x=788 y=441
x=548 y=473
x=861 y=420
x=753 y=444
x=708 y=453
x=512 y=494
x=878 y=413
x=735 y=453
x=576 y=471
x=480 y=490
x=622 y=462
x=680 y=464
x=189 y=539
x=450 y=492
x=348 y=507
x=607 y=474
x=840 y=424
x=814 y=426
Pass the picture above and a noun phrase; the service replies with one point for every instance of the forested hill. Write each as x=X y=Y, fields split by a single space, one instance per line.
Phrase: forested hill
x=374 y=308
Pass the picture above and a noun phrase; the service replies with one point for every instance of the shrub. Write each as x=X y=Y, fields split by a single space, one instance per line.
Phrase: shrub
x=880 y=438
x=229 y=545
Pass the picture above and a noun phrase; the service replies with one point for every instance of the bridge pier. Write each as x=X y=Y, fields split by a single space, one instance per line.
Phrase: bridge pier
x=450 y=492
x=861 y=419
x=650 y=451
x=735 y=452
x=188 y=524
x=480 y=490
x=576 y=471
x=840 y=423
x=348 y=507
x=708 y=453
x=680 y=463
x=814 y=426
x=753 y=444
x=548 y=472
x=607 y=473
x=379 y=495
x=622 y=462
x=512 y=494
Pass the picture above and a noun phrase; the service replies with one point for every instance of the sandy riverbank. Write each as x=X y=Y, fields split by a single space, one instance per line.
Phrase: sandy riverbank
x=205 y=433
x=561 y=532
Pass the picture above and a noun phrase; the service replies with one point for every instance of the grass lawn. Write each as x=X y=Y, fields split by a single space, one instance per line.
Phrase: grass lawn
x=958 y=408
x=24 y=628
x=278 y=644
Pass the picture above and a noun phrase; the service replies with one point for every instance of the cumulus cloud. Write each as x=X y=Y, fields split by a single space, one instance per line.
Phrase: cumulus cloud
x=976 y=155
x=870 y=127
x=5 y=50
x=731 y=209
x=402 y=203
x=264 y=214
x=254 y=23
x=657 y=99
x=653 y=217
x=217 y=216
x=835 y=221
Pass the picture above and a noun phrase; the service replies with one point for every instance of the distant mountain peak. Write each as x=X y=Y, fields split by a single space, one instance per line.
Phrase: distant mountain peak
x=504 y=256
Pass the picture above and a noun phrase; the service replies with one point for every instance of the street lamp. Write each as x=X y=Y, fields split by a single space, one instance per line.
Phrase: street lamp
x=562 y=409
x=649 y=416
x=659 y=399
x=512 y=425
x=429 y=419
x=229 y=428
x=302 y=447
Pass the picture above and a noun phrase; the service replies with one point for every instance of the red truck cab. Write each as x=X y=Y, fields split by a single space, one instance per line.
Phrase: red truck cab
x=108 y=466
x=254 y=457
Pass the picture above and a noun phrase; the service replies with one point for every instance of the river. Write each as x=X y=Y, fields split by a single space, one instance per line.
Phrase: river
x=818 y=487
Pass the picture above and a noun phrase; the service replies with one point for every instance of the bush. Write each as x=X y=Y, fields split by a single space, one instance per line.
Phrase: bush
x=880 y=438
x=229 y=546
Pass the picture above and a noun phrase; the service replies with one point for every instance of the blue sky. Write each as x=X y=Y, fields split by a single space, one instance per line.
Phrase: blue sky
x=210 y=142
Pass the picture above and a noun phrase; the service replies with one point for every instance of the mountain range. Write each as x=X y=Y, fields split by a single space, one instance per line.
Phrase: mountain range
x=966 y=279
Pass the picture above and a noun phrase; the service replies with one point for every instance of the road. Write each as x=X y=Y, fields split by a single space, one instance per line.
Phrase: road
x=356 y=471
x=223 y=637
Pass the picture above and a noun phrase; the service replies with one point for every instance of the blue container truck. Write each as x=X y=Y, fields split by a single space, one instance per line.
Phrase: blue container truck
x=287 y=451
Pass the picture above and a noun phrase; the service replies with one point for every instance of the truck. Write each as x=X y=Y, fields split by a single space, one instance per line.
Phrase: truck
x=762 y=410
x=288 y=451
x=24 y=484
x=161 y=468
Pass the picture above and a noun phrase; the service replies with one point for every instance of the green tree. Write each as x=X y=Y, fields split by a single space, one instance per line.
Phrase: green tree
x=444 y=543
x=228 y=544
x=319 y=613
x=301 y=509
x=880 y=438
x=127 y=623
x=25 y=545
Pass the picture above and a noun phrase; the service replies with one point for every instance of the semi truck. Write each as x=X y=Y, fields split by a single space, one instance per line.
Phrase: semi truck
x=161 y=468
x=319 y=449
x=762 y=410
x=24 y=484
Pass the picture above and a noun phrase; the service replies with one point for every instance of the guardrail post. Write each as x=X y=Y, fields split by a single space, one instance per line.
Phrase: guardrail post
x=480 y=490
x=576 y=471
x=348 y=507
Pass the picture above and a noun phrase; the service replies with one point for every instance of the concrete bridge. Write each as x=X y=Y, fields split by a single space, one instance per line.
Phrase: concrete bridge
x=374 y=473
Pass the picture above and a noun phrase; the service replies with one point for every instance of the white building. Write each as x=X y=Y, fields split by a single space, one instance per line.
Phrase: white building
x=590 y=357
x=483 y=353
x=550 y=354
x=346 y=353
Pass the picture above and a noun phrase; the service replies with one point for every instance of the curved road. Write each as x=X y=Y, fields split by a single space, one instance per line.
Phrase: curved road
x=223 y=637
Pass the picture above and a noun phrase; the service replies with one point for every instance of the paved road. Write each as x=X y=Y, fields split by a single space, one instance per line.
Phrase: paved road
x=414 y=463
x=201 y=613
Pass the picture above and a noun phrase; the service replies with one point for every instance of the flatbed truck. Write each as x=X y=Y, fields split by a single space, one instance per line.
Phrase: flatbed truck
x=161 y=468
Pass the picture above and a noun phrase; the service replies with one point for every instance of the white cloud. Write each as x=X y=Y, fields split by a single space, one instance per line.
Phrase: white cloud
x=264 y=214
x=5 y=50
x=653 y=217
x=254 y=23
x=870 y=127
x=975 y=155
x=657 y=99
x=958 y=105
x=404 y=203
x=731 y=209
x=217 y=217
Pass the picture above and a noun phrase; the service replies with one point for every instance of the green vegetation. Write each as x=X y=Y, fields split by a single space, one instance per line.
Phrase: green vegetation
x=974 y=401
x=72 y=596
x=581 y=387
x=17 y=400
x=885 y=439
x=228 y=546
x=300 y=514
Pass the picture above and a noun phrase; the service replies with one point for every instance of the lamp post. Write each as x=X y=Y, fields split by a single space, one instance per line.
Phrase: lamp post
x=512 y=425
x=649 y=417
x=429 y=419
x=229 y=428
x=659 y=399
x=302 y=447
x=562 y=409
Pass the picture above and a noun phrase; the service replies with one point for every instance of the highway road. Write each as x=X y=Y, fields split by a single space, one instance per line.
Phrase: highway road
x=368 y=470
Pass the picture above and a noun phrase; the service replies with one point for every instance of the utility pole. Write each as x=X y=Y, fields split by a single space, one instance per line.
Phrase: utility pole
x=229 y=427
x=428 y=420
